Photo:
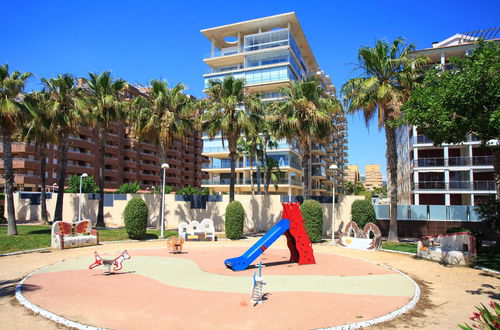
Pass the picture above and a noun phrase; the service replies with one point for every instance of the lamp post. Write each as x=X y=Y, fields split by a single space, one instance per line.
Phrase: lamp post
x=84 y=175
x=333 y=167
x=164 y=166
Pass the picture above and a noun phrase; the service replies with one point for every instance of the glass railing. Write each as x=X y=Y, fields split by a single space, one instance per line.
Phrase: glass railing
x=454 y=185
x=215 y=149
x=454 y=161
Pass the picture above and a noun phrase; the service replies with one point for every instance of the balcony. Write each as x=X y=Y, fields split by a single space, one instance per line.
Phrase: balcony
x=454 y=161
x=455 y=185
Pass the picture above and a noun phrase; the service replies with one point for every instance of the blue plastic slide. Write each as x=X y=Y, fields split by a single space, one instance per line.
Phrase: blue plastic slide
x=241 y=263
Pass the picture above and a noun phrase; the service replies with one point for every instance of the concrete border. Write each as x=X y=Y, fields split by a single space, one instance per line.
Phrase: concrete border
x=61 y=320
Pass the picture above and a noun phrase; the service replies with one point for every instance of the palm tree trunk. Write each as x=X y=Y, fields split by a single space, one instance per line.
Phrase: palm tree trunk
x=257 y=171
x=162 y=150
x=102 y=158
x=9 y=182
x=495 y=155
x=251 y=173
x=306 y=154
x=62 y=178
x=264 y=162
x=232 y=156
x=392 y=165
x=43 y=197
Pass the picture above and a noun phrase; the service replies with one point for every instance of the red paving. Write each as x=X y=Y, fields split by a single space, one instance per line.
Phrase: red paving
x=131 y=301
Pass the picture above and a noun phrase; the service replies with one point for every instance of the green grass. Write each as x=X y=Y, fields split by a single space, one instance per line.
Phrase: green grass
x=489 y=257
x=35 y=237
x=402 y=247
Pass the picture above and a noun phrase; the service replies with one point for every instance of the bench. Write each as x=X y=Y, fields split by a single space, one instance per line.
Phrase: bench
x=370 y=238
x=197 y=231
x=453 y=249
x=68 y=235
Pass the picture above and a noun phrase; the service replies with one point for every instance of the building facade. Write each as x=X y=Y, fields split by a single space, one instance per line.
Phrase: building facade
x=127 y=160
x=373 y=177
x=452 y=174
x=270 y=53
x=353 y=174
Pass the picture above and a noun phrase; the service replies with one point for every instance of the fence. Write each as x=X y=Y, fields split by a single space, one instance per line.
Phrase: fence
x=430 y=212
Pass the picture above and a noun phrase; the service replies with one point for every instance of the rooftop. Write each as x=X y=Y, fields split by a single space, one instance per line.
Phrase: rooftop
x=220 y=33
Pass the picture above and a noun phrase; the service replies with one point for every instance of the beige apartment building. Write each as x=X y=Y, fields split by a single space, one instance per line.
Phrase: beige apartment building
x=373 y=176
x=353 y=174
x=270 y=53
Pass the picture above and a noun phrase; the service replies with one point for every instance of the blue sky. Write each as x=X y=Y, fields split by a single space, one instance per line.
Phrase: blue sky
x=142 y=40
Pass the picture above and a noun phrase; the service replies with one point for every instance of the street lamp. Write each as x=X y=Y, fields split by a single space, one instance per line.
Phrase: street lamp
x=54 y=185
x=333 y=167
x=164 y=166
x=84 y=175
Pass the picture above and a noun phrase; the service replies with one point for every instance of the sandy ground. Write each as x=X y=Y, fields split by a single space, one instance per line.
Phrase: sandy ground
x=448 y=293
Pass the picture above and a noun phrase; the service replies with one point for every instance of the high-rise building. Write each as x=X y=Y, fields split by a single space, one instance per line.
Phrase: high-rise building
x=452 y=174
x=127 y=160
x=373 y=177
x=269 y=53
x=353 y=174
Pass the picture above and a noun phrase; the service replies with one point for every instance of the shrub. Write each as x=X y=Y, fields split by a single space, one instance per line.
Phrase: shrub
x=484 y=318
x=312 y=214
x=190 y=190
x=157 y=189
x=235 y=215
x=477 y=233
x=136 y=218
x=362 y=212
x=129 y=188
x=88 y=185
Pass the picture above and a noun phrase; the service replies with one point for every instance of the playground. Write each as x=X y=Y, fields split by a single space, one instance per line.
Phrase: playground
x=195 y=290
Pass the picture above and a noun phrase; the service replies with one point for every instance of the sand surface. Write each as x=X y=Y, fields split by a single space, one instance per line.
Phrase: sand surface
x=449 y=293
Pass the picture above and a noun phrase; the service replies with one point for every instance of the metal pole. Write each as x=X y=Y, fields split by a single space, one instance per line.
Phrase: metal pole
x=80 y=200
x=333 y=215
x=162 y=224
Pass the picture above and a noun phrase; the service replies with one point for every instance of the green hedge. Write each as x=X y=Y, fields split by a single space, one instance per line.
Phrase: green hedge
x=136 y=218
x=313 y=220
x=129 y=188
x=235 y=215
x=362 y=212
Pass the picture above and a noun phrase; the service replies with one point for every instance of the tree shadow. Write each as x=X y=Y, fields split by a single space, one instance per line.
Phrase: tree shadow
x=8 y=288
x=488 y=290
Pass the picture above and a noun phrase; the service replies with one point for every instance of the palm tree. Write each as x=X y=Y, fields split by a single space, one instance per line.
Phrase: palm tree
x=307 y=116
x=103 y=104
x=272 y=173
x=245 y=148
x=381 y=88
x=63 y=94
x=39 y=127
x=229 y=113
x=165 y=115
x=11 y=86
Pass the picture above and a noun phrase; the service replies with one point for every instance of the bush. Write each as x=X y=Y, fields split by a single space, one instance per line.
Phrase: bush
x=157 y=190
x=136 y=218
x=88 y=185
x=313 y=220
x=362 y=212
x=129 y=188
x=190 y=190
x=477 y=233
x=235 y=215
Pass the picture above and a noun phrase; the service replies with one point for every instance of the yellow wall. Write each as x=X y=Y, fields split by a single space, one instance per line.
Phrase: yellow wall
x=262 y=212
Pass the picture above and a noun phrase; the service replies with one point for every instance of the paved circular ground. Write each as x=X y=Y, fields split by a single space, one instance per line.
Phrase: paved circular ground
x=193 y=290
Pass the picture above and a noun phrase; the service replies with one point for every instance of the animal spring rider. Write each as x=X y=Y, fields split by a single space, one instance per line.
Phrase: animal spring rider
x=175 y=245
x=108 y=263
x=258 y=286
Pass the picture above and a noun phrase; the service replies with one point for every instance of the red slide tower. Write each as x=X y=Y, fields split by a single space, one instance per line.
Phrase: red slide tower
x=297 y=239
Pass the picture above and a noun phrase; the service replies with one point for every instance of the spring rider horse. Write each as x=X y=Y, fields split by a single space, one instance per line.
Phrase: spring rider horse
x=107 y=263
